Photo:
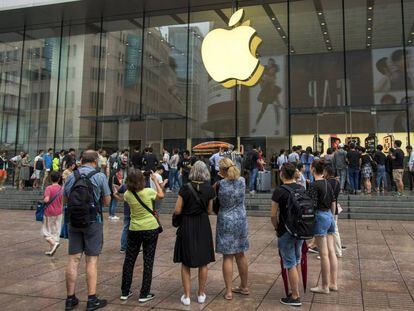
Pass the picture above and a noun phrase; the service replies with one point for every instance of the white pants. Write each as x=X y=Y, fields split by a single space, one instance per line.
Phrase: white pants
x=337 y=239
x=51 y=228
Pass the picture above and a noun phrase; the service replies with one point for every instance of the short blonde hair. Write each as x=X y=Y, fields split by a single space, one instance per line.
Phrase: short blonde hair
x=229 y=169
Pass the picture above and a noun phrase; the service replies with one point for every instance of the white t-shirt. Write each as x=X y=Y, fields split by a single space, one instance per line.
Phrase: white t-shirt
x=159 y=178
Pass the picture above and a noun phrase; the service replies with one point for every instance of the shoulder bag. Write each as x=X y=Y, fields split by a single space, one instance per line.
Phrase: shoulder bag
x=152 y=212
x=41 y=206
x=216 y=202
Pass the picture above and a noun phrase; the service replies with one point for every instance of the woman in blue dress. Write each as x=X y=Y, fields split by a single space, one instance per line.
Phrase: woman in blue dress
x=232 y=229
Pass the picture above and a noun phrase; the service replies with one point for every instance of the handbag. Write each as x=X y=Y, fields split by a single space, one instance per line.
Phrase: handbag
x=64 y=233
x=41 y=206
x=216 y=202
x=177 y=220
x=152 y=212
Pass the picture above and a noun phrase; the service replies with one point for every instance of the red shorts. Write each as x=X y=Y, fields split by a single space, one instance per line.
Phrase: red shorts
x=3 y=173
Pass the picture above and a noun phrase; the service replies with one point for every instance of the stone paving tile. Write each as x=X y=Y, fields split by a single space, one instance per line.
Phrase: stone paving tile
x=376 y=272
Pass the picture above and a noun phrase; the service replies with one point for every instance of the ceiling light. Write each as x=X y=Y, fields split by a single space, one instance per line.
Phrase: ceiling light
x=323 y=24
x=284 y=37
x=329 y=48
x=370 y=8
x=327 y=41
x=278 y=28
x=325 y=33
x=320 y=13
x=273 y=18
x=368 y=44
x=369 y=37
x=369 y=28
x=370 y=18
x=412 y=33
x=410 y=41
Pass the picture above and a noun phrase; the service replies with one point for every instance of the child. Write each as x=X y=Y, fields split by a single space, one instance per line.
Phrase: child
x=52 y=220
x=300 y=177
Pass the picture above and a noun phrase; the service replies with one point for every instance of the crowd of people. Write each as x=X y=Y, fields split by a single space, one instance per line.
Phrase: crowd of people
x=357 y=170
x=77 y=189
x=76 y=197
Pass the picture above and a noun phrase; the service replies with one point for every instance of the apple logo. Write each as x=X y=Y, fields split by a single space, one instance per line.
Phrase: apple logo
x=230 y=55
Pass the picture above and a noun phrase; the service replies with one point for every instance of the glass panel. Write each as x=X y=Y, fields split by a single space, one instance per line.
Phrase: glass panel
x=211 y=107
x=263 y=109
x=78 y=89
x=164 y=82
x=39 y=85
x=120 y=83
x=317 y=74
x=10 y=64
x=376 y=70
x=409 y=41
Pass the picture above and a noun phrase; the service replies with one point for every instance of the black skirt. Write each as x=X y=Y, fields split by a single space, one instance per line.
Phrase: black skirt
x=194 y=244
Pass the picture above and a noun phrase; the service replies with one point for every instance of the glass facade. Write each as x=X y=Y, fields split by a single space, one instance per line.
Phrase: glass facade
x=335 y=70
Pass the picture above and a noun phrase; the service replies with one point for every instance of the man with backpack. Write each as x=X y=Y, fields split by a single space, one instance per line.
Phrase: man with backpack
x=291 y=206
x=85 y=190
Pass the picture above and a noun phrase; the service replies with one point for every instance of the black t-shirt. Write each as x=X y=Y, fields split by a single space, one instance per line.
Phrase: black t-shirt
x=398 y=162
x=136 y=160
x=191 y=206
x=69 y=159
x=150 y=162
x=336 y=189
x=353 y=159
x=366 y=159
x=380 y=158
x=185 y=165
x=281 y=196
x=322 y=193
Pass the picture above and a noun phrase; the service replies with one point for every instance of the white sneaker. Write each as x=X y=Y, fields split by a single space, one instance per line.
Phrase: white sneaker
x=202 y=299
x=115 y=218
x=168 y=191
x=185 y=301
x=110 y=217
x=252 y=192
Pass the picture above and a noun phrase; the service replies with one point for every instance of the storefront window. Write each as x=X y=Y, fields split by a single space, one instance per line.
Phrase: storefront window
x=10 y=63
x=37 y=118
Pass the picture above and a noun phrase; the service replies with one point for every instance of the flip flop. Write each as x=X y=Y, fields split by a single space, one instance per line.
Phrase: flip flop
x=319 y=290
x=227 y=297
x=240 y=291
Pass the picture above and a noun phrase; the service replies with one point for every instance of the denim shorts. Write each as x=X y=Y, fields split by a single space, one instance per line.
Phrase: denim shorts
x=325 y=223
x=290 y=250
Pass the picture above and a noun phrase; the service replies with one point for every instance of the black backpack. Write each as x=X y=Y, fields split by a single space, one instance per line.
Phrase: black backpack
x=82 y=208
x=301 y=210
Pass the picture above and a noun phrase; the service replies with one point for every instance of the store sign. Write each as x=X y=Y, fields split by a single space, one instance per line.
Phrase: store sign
x=230 y=55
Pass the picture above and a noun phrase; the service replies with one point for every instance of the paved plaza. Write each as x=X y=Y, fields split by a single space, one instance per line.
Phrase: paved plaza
x=376 y=272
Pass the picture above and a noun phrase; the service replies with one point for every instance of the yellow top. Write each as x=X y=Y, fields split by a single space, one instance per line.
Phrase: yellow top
x=141 y=219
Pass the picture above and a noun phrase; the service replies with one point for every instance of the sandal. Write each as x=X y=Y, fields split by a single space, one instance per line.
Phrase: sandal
x=228 y=297
x=319 y=290
x=240 y=291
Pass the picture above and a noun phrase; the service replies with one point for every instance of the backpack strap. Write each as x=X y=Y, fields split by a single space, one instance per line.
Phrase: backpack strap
x=287 y=188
